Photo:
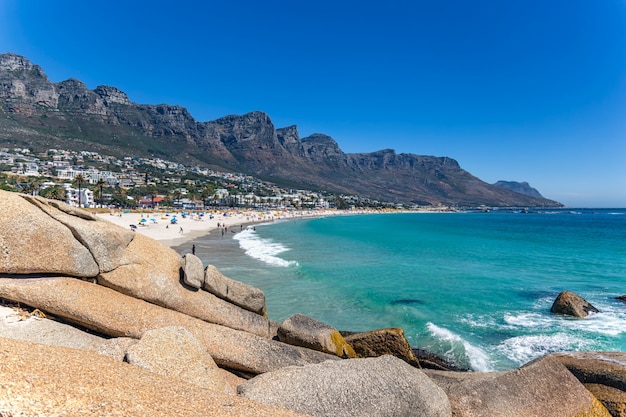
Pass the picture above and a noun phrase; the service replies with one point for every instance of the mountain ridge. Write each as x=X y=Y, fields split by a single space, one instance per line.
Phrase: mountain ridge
x=41 y=114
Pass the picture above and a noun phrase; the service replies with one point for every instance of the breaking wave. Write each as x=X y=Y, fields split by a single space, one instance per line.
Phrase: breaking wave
x=264 y=250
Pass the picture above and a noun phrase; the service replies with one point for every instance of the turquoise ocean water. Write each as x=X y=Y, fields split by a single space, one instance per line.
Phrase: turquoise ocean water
x=474 y=287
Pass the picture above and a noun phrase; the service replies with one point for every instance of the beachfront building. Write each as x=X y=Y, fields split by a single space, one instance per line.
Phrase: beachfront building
x=86 y=196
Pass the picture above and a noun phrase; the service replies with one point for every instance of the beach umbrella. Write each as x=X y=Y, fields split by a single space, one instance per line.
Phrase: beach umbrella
x=143 y=220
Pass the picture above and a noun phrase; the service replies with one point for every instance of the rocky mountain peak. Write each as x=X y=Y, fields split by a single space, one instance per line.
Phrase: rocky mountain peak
x=68 y=115
x=17 y=64
x=519 y=187
x=112 y=95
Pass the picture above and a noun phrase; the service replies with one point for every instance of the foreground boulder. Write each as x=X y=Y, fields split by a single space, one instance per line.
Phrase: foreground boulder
x=151 y=271
x=107 y=311
x=32 y=242
x=173 y=351
x=603 y=373
x=572 y=304
x=106 y=242
x=373 y=387
x=39 y=380
x=46 y=237
x=300 y=330
x=543 y=387
x=241 y=294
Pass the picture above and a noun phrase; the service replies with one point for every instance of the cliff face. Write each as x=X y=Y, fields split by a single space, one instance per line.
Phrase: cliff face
x=39 y=114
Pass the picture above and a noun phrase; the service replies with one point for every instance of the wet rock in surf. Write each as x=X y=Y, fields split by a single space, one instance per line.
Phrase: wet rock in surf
x=572 y=304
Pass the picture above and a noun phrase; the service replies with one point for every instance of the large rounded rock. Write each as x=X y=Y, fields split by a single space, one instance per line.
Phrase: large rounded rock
x=603 y=373
x=300 y=330
x=173 y=351
x=373 y=387
x=39 y=380
x=105 y=241
x=153 y=272
x=572 y=304
x=241 y=294
x=543 y=387
x=606 y=368
x=114 y=314
x=33 y=242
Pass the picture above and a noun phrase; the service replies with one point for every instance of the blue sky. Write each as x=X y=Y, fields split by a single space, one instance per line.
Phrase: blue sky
x=523 y=90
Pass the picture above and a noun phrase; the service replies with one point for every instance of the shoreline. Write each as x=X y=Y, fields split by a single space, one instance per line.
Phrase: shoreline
x=159 y=226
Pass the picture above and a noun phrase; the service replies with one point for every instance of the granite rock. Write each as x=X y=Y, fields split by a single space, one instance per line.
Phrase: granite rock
x=81 y=303
x=373 y=387
x=300 y=330
x=543 y=387
x=603 y=373
x=151 y=271
x=32 y=242
x=175 y=352
x=193 y=271
x=390 y=341
x=40 y=380
x=572 y=304
x=236 y=292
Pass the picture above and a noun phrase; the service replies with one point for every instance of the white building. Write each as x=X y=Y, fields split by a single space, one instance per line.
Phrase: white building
x=86 y=196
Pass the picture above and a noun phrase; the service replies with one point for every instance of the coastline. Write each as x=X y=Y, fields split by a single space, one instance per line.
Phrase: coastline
x=159 y=226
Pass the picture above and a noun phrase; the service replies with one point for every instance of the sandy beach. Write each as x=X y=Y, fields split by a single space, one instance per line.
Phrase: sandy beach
x=161 y=227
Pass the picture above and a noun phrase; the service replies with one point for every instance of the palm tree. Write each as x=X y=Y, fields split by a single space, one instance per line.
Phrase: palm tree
x=151 y=190
x=177 y=196
x=31 y=187
x=79 y=180
x=99 y=185
x=56 y=192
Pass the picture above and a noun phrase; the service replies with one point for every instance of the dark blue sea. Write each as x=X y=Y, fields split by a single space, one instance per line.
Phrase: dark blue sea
x=473 y=287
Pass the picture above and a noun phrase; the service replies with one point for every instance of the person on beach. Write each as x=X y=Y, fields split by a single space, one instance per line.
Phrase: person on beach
x=181 y=230
x=193 y=249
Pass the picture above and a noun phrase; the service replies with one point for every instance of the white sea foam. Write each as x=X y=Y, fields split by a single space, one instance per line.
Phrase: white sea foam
x=528 y=320
x=478 y=358
x=606 y=323
x=478 y=321
x=521 y=349
x=262 y=249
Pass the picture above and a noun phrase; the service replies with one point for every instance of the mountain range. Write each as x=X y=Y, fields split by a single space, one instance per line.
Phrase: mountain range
x=40 y=114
